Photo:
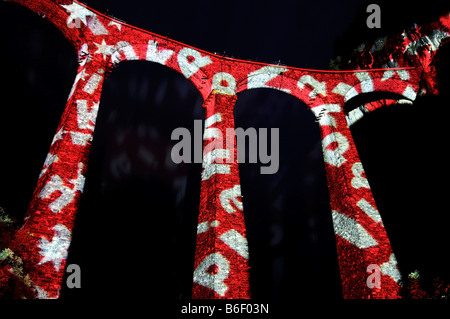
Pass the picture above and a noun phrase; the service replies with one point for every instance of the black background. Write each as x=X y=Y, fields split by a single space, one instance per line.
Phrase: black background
x=135 y=231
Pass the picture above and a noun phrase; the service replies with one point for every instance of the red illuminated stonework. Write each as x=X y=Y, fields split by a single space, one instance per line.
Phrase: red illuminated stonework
x=221 y=268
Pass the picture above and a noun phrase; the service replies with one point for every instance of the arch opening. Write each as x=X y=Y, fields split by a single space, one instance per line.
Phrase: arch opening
x=138 y=213
x=400 y=147
x=289 y=227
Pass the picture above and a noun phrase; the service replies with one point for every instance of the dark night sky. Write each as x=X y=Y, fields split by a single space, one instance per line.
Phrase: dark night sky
x=297 y=33
x=135 y=204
